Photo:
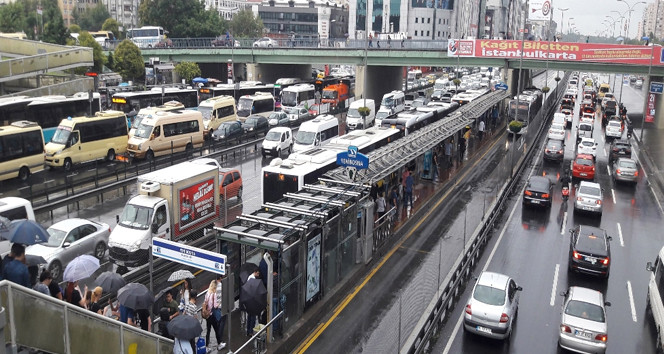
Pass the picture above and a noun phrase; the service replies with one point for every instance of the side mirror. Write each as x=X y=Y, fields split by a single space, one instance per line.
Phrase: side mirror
x=152 y=136
x=66 y=244
x=649 y=267
x=576 y=185
x=607 y=303
x=117 y=219
x=596 y=144
x=563 y=293
x=518 y=288
x=155 y=228
x=609 y=238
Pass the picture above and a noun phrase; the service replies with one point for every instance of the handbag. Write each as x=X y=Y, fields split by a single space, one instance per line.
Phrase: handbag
x=205 y=312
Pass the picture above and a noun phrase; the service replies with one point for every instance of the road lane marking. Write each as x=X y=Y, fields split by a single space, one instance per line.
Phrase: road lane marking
x=310 y=339
x=562 y=227
x=613 y=196
x=622 y=243
x=631 y=300
x=49 y=181
x=555 y=285
x=608 y=170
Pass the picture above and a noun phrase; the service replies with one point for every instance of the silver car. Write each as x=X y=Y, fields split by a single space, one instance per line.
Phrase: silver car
x=625 y=170
x=297 y=115
x=265 y=42
x=492 y=307
x=589 y=197
x=583 y=326
x=69 y=239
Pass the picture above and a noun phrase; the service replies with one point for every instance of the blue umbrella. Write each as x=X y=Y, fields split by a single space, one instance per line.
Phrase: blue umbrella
x=200 y=80
x=26 y=232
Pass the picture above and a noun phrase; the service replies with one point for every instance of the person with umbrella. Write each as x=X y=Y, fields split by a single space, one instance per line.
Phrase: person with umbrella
x=184 y=329
x=94 y=301
x=73 y=294
x=15 y=269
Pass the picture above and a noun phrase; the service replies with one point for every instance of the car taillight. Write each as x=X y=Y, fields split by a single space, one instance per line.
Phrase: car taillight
x=579 y=199
x=565 y=328
x=528 y=193
x=599 y=202
x=593 y=169
x=576 y=255
x=601 y=337
x=109 y=229
x=468 y=311
x=547 y=150
x=605 y=261
x=504 y=318
x=545 y=195
x=615 y=149
x=560 y=151
x=636 y=173
x=618 y=171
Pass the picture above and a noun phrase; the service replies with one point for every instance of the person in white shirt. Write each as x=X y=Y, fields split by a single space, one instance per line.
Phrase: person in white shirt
x=480 y=130
x=221 y=319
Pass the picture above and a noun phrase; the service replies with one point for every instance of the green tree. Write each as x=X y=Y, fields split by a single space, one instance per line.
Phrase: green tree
x=74 y=28
x=110 y=61
x=245 y=25
x=54 y=26
x=182 y=18
x=187 y=70
x=92 y=18
x=111 y=25
x=85 y=39
x=12 y=17
x=128 y=60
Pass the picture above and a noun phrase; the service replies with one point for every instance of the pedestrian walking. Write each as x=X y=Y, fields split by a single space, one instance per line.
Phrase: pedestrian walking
x=409 y=190
x=251 y=319
x=209 y=304
x=127 y=315
x=14 y=268
x=370 y=41
x=172 y=305
x=94 y=305
x=184 y=293
x=434 y=162
x=402 y=42
x=73 y=294
x=378 y=43
x=394 y=198
x=216 y=312
x=448 y=152
x=380 y=205
x=389 y=41
x=293 y=39
x=144 y=319
x=190 y=309
x=480 y=130
x=44 y=281
x=462 y=148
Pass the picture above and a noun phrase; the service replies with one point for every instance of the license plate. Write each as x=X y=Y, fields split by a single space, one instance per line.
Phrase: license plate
x=120 y=263
x=484 y=329
x=591 y=260
x=621 y=153
x=582 y=334
x=535 y=201
x=584 y=174
x=587 y=208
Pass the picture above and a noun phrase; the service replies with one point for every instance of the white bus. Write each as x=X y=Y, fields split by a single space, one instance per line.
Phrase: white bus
x=392 y=103
x=21 y=150
x=298 y=95
x=147 y=36
x=316 y=132
x=261 y=103
x=655 y=298
x=290 y=175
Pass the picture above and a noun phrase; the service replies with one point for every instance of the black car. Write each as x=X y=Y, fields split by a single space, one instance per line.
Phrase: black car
x=590 y=251
x=437 y=95
x=620 y=148
x=255 y=124
x=554 y=150
x=538 y=192
x=228 y=132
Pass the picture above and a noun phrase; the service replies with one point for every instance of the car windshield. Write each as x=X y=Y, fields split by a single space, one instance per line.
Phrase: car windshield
x=61 y=135
x=330 y=94
x=276 y=116
x=206 y=112
x=353 y=113
x=251 y=121
x=585 y=310
x=273 y=136
x=590 y=190
x=305 y=138
x=55 y=237
x=489 y=295
x=587 y=143
x=382 y=115
x=627 y=164
x=136 y=217
x=583 y=162
x=143 y=131
x=553 y=145
x=557 y=126
x=417 y=103
x=614 y=124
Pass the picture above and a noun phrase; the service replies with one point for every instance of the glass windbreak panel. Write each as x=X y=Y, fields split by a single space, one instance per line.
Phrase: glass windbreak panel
x=26 y=320
x=291 y=277
x=86 y=333
x=332 y=257
x=142 y=343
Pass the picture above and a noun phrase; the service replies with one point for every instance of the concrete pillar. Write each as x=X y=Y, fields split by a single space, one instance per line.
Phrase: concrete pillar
x=512 y=80
x=380 y=80
x=269 y=73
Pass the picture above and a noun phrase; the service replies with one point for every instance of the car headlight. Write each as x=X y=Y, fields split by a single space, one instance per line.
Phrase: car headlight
x=251 y=129
x=135 y=246
x=140 y=146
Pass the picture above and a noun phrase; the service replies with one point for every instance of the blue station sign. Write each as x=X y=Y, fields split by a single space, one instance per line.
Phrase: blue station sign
x=501 y=86
x=353 y=158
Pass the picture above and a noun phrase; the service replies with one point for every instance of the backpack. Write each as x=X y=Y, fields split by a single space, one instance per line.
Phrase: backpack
x=205 y=311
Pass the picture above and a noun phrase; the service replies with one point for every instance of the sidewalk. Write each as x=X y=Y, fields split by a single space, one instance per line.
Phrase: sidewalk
x=650 y=152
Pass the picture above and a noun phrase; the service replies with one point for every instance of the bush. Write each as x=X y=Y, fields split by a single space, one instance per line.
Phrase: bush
x=557 y=78
x=546 y=89
x=364 y=111
x=515 y=126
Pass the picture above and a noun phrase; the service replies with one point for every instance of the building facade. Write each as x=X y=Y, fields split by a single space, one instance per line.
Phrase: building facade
x=123 y=11
x=303 y=19
x=653 y=15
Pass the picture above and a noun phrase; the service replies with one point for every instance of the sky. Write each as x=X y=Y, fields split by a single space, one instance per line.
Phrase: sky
x=588 y=15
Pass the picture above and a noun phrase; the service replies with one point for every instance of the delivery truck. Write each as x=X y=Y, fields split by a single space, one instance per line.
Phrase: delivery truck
x=174 y=203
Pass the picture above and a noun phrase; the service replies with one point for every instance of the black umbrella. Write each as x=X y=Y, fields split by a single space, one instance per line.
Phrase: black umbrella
x=246 y=270
x=135 y=296
x=253 y=297
x=184 y=327
x=111 y=282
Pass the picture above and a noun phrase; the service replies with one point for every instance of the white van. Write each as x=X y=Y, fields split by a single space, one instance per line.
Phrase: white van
x=277 y=140
x=354 y=119
x=392 y=103
x=316 y=132
x=559 y=118
x=13 y=208
x=165 y=132
x=654 y=300
x=215 y=111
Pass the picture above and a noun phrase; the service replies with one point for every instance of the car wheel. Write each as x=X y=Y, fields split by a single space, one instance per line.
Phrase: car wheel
x=269 y=45
x=100 y=250
x=67 y=165
x=23 y=173
x=290 y=149
x=262 y=153
x=56 y=270
x=110 y=156
x=149 y=155
x=239 y=193
x=255 y=45
x=278 y=152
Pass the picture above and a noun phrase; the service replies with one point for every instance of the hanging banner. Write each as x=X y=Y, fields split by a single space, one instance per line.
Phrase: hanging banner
x=558 y=51
x=650 y=112
x=539 y=10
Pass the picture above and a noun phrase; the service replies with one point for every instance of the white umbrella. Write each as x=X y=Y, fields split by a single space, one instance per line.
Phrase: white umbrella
x=81 y=267
x=181 y=274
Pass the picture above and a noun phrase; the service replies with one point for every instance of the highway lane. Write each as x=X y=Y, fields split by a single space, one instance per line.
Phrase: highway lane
x=534 y=249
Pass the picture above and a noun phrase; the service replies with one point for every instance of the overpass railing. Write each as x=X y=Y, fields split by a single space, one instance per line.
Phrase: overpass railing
x=37 y=64
x=44 y=323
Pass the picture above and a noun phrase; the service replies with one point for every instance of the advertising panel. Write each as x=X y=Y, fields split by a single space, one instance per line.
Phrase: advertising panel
x=539 y=10
x=313 y=267
x=650 y=112
x=196 y=203
x=559 y=51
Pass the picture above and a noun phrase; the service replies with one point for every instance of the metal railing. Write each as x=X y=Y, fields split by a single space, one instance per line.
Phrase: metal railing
x=36 y=64
x=40 y=322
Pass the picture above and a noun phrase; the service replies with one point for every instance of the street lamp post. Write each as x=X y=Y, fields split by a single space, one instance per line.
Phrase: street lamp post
x=562 y=20
x=652 y=53
x=630 y=9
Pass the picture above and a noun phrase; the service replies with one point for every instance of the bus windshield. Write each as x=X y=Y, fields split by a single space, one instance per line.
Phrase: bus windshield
x=305 y=138
x=61 y=135
x=150 y=32
x=143 y=131
x=245 y=104
x=289 y=98
x=206 y=112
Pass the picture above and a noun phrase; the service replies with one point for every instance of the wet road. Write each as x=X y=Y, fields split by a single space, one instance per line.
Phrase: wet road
x=533 y=245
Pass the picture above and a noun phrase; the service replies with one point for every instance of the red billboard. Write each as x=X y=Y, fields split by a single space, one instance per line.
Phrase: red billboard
x=559 y=51
x=196 y=203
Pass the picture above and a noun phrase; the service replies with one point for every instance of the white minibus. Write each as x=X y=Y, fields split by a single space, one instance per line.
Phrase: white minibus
x=316 y=132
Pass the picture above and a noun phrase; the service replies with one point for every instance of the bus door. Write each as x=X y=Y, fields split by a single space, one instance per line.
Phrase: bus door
x=77 y=152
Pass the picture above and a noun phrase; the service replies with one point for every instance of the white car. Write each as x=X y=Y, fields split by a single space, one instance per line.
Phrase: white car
x=556 y=131
x=265 y=42
x=588 y=118
x=69 y=239
x=583 y=324
x=589 y=197
x=587 y=146
x=277 y=140
x=613 y=129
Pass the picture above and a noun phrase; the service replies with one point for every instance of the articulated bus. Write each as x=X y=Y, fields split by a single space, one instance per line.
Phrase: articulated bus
x=132 y=102
x=290 y=175
x=47 y=111
x=21 y=150
x=243 y=89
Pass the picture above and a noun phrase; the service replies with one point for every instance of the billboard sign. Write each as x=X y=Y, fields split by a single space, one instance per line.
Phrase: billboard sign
x=650 y=112
x=557 y=51
x=196 y=203
x=539 y=10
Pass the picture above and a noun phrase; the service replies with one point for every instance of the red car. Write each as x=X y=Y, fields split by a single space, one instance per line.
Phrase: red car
x=583 y=167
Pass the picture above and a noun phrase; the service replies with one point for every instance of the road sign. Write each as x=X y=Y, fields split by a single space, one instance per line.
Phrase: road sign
x=188 y=255
x=353 y=158
x=656 y=87
x=501 y=86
